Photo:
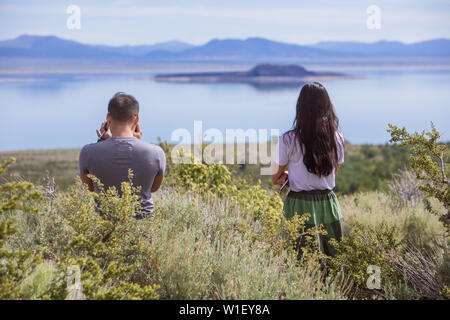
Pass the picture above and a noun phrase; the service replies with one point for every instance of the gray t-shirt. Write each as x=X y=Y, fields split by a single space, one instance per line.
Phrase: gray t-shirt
x=110 y=160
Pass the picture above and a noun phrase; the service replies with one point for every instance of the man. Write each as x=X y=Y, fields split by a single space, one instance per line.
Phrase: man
x=120 y=148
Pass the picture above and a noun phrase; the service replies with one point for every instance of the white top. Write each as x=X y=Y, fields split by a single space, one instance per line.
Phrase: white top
x=289 y=153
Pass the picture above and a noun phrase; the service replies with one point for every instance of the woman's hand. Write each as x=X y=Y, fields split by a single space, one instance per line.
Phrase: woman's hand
x=104 y=134
x=280 y=176
x=337 y=169
x=282 y=179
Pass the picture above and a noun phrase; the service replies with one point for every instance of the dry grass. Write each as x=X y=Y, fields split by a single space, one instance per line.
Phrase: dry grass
x=421 y=271
x=404 y=189
x=37 y=165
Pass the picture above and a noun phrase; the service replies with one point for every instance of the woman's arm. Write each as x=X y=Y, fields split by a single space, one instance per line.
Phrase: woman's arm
x=280 y=176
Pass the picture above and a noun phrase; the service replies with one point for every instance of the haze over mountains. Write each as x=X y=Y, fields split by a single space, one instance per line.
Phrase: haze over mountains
x=29 y=46
x=430 y=48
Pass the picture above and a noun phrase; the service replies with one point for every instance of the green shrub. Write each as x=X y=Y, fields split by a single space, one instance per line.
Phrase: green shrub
x=429 y=161
x=415 y=228
x=445 y=293
x=363 y=247
x=216 y=237
x=205 y=248
x=212 y=179
x=198 y=245
x=414 y=225
x=101 y=244
x=15 y=265
x=264 y=206
x=37 y=283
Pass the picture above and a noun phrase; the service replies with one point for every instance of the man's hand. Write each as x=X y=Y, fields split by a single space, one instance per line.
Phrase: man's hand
x=104 y=134
x=137 y=131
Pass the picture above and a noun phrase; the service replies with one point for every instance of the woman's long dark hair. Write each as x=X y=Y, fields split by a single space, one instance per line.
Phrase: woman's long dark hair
x=315 y=127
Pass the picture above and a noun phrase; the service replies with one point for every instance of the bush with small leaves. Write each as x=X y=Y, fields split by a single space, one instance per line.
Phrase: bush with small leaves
x=429 y=161
x=264 y=206
x=206 y=247
x=363 y=247
x=15 y=265
x=101 y=244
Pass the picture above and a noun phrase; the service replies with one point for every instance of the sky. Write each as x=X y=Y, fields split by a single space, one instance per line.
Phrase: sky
x=132 y=22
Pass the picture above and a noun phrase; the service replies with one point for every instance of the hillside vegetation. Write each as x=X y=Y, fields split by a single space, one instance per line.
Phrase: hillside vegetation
x=215 y=235
x=366 y=167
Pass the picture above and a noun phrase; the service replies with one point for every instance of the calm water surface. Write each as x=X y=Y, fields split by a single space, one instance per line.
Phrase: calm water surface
x=64 y=111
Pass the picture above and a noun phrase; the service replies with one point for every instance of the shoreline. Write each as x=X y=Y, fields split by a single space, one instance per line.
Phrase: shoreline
x=12 y=67
x=257 y=80
x=149 y=74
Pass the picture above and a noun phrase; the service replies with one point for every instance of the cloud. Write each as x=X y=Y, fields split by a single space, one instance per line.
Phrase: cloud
x=281 y=15
x=286 y=16
x=201 y=21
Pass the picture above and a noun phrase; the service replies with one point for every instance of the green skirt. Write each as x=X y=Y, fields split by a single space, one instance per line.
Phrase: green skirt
x=323 y=206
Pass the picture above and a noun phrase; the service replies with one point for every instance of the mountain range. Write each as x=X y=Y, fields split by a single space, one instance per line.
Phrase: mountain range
x=48 y=47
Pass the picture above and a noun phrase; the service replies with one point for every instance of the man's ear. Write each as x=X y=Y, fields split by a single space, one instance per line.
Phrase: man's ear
x=136 y=120
x=108 y=118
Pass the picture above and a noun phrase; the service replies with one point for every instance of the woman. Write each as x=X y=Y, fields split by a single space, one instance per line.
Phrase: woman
x=312 y=152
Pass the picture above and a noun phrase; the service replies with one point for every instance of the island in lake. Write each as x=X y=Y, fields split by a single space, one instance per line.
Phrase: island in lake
x=262 y=73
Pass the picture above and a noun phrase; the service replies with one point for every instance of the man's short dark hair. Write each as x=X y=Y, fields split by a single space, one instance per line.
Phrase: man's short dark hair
x=123 y=107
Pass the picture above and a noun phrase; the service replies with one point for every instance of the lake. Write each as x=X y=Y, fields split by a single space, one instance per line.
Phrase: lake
x=63 y=111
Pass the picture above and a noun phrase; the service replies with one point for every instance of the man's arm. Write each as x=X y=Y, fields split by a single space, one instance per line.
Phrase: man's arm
x=83 y=163
x=157 y=183
x=161 y=169
x=86 y=180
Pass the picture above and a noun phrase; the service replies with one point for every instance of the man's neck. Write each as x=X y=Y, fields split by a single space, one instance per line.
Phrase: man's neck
x=121 y=131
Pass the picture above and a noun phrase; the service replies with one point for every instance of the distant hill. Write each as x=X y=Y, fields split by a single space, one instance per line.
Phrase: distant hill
x=262 y=73
x=54 y=47
x=49 y=47
x=251 y=49
x=235 y=49
x=141 y=50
